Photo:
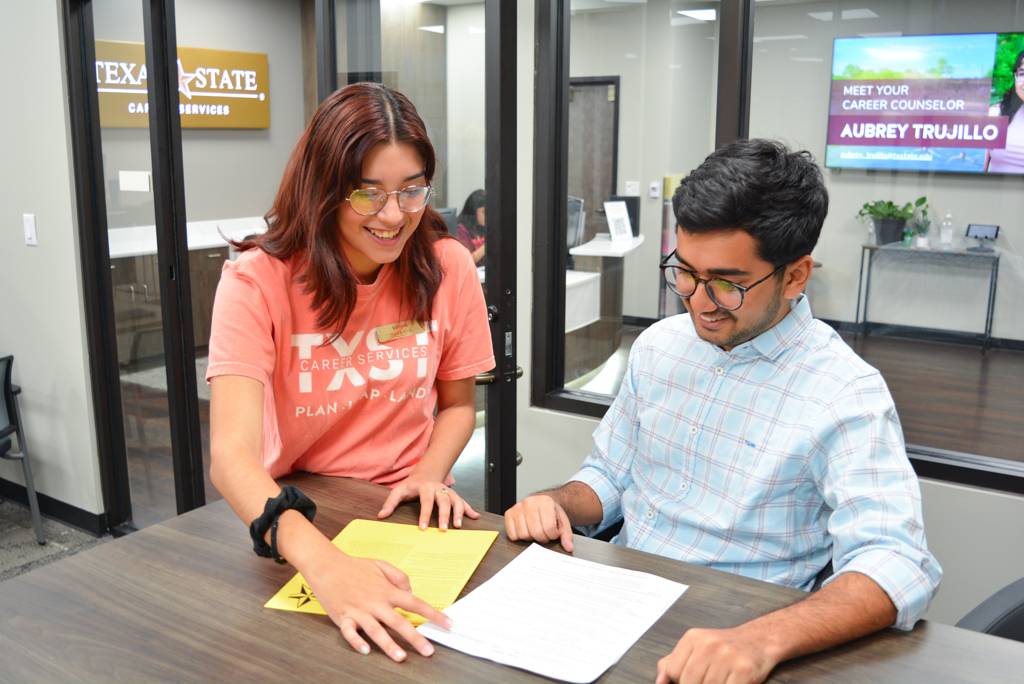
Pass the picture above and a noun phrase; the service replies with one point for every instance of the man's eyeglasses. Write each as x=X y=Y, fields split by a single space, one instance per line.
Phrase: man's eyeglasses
x=724 y=293
x=370 y=201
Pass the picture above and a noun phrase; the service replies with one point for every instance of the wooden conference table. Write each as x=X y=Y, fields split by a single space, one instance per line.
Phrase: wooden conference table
x=183 y=601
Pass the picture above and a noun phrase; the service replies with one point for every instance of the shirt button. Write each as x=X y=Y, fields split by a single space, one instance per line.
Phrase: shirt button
x=720 y=370
x=650 y=513
x=683 y=486
x=693 y=430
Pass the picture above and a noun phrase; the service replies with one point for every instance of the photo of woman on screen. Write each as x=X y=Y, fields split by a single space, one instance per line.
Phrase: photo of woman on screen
x=1010 y=159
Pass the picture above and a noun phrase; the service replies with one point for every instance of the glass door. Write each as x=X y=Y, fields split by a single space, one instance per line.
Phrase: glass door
x=246 y=77
x=243 y=103
x=121 y=84
x=436 y=53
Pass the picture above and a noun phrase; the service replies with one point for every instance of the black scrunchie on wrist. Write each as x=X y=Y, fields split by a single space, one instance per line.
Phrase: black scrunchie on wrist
x=290 y=498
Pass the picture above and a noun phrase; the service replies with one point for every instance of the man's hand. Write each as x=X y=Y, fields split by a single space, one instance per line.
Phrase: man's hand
x=540 y=518
x=717 y=656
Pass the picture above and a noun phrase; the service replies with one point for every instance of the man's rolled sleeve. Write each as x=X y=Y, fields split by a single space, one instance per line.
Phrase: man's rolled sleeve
x=607 y=469
x=866 y=479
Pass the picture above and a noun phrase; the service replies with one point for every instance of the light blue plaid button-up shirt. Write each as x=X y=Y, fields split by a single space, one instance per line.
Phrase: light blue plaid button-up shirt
x=767 y=461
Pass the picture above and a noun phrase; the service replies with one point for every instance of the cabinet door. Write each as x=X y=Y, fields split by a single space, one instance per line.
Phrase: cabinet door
x=137 y=312
x=205 y=267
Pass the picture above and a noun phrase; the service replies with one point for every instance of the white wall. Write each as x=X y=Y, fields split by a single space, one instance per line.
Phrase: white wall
x=667 y=67
x=978 y=537
x=466 y=99
x=42 y=303
x=976 y=534
x=790 y=99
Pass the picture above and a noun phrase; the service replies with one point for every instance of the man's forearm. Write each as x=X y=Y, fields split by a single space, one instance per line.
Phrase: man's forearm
x=851 y=606
x=579 y=502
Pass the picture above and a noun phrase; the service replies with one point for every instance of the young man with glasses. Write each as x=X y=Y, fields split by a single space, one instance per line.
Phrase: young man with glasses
x=749 y=438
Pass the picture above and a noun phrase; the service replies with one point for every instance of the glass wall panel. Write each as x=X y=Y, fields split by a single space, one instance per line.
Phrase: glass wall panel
x=929 y=299
x=248 y=73
x=433 y=52
x=641 y=112
x=127 y=175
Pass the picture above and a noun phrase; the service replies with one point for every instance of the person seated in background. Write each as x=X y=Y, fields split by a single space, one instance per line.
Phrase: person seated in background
x=748 y=437
x=472 y=223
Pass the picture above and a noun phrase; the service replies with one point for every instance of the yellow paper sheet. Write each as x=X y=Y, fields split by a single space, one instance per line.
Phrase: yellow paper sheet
x=438 y=563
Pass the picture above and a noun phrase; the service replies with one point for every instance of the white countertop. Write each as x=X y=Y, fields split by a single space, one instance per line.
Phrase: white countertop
x=606 y=247
x=139 y=240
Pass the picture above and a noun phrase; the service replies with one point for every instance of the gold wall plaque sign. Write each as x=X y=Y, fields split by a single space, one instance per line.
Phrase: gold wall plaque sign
x=216 y=88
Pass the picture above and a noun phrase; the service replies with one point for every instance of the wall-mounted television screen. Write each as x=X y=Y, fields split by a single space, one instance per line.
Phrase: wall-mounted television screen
x=948 y=103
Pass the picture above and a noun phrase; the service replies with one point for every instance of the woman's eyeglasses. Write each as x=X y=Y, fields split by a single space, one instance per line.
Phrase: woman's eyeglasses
x=370 y=201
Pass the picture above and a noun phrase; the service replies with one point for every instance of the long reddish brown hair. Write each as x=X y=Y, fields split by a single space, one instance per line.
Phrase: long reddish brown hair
x=324 y=168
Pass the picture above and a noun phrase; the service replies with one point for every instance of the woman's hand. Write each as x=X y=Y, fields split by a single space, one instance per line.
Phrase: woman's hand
x=450 y=506
x=361 y=595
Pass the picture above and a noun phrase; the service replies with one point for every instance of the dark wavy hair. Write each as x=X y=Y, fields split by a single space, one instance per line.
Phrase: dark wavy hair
x=476 y=199
x=1011 y=100
x=324 y=168
x=776 y=196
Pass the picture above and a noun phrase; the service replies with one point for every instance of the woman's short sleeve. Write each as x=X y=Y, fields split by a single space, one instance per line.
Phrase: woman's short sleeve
x=241 y=336
x=467 y=349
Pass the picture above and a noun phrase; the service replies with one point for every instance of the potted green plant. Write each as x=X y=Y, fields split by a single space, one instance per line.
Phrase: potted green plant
x=889 y=218
x=921 y=222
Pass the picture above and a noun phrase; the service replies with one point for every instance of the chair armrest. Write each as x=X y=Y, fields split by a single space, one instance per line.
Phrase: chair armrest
x=7 y=430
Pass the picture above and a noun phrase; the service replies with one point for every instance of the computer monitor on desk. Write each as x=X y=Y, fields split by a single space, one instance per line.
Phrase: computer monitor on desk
x=450 y=216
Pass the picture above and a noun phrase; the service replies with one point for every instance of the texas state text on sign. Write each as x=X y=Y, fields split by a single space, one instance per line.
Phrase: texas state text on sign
x=216 y=88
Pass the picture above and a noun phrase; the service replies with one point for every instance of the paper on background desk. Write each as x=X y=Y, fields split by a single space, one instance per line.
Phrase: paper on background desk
x=438 y=563
x=558 y=616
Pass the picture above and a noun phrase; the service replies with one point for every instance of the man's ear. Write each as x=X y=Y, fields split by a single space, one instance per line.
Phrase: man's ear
x=796 y=276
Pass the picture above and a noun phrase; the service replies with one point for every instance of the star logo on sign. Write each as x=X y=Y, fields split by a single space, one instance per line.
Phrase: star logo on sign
x=183 y=80
x=304 y=596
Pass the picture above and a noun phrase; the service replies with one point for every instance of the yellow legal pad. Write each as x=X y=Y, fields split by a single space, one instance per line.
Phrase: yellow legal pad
x=438 y=563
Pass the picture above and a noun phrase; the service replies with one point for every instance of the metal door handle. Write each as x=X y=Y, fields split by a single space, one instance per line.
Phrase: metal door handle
x=489 y=377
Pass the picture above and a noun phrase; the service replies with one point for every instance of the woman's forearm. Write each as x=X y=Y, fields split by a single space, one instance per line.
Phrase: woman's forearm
x=452 y=430
x=236 y=470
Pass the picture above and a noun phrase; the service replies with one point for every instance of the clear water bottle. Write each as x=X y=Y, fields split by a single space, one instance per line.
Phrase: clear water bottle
x=946 y=231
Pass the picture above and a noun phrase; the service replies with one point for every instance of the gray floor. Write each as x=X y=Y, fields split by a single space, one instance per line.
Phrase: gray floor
x=19 y=551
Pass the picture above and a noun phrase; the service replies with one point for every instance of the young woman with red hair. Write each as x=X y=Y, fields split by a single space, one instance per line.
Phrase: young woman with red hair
x=345 y=342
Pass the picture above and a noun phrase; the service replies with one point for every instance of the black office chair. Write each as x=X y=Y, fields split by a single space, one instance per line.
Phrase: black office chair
x=1001 y=614
x=10 y=424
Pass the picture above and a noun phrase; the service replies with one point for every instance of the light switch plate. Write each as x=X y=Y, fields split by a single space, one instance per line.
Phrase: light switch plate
x=134 y=181
x=28 y=222
x=654 y=190
x=633 y=188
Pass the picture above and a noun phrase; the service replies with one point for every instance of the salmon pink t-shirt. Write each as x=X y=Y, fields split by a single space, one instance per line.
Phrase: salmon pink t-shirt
x=363 y=405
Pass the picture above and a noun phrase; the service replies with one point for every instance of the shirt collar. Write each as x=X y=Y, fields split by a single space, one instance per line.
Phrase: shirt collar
x=783 y=335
